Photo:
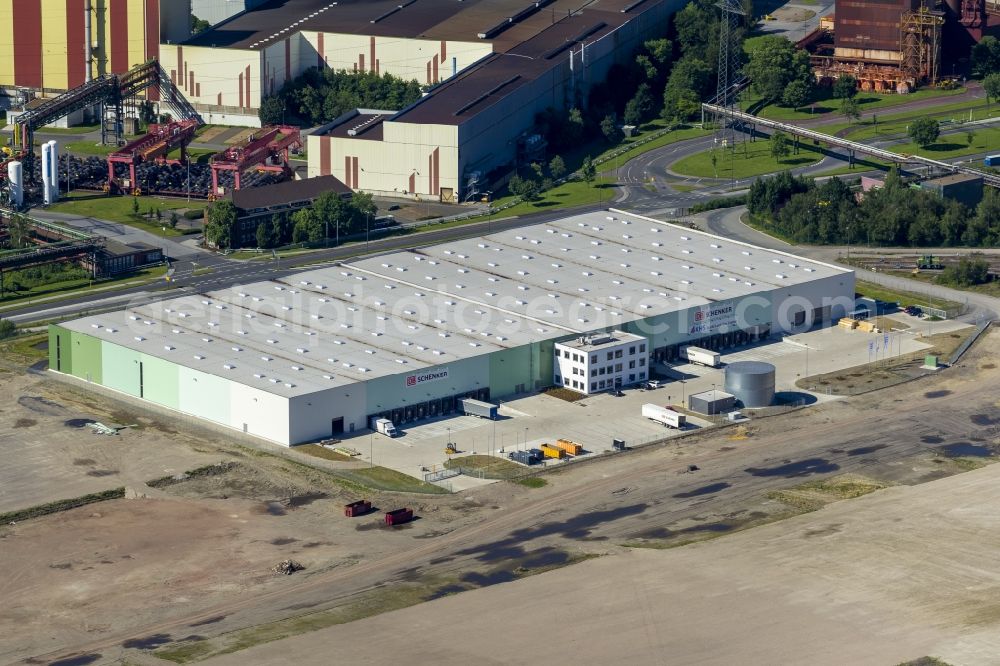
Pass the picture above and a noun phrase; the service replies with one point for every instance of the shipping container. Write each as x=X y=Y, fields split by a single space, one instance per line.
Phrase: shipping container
x=992 y=161
x=398 y=516
x=525 y=457
x=359 y=508
x=478 y=408
x=569 y=447
x=552 y=451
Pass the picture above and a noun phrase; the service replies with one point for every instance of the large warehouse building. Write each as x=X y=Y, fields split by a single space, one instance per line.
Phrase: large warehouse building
x=404 y=334
x=43 y=43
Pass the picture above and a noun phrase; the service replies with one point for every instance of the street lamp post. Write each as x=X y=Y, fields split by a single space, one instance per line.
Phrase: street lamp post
x=371 y=450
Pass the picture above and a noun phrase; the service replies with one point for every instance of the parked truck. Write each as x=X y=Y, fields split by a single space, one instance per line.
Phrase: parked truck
x=664 y=415
x=572 y=448
x=383 y=426
x=398 y=516
x=359 y=508
x=553 y=451
x=700 y=356
x=484 y=410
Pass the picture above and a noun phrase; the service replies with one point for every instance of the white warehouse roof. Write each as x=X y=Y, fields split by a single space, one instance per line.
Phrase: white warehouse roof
x=407 y=310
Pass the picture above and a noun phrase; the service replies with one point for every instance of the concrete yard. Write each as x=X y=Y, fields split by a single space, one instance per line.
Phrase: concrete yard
x=897 y=575
x=596 y=420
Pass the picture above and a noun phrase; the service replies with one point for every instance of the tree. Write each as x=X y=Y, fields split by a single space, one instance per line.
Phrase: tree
x=779 y=145
x=220 y=229
x=526 y=188
x=307 y=226
x=680 y=105
x=970 y=136
x=588 y=170
x=18 y=231
x=991 y=86
x=610 y=129
x=985 y=56
x=135 y=205
x=272 y=111
x=774 y=62
x=266 y=237
x=797 y=94
x=557 y=167
x=174 y=219
x=639 y=107
x=967 y=272
x=849 y=107
x=924 y=131
x=199 y=25
x=844 y=87
x=7 y=329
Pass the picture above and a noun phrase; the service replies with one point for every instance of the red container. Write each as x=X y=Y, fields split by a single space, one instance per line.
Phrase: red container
x=359 y=508
x=398 y=516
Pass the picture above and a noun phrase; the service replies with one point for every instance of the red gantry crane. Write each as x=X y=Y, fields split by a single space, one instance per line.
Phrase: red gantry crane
x=154 y=145
x=267 y=151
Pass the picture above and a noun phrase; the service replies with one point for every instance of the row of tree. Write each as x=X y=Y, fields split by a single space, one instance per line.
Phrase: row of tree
x=895 y=214
x=319 y=96
x=329 y=217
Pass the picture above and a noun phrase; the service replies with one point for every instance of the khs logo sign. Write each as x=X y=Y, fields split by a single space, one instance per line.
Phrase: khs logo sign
x=411 y=380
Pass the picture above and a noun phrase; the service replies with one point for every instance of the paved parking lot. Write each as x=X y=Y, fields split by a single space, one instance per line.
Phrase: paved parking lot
x=595 y=421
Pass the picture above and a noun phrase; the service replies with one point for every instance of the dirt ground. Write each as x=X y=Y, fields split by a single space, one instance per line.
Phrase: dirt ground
x=50 y=453
x=876 y=581
x=188 y=567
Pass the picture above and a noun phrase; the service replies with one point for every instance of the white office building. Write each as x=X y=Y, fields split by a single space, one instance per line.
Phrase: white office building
x=601 y=362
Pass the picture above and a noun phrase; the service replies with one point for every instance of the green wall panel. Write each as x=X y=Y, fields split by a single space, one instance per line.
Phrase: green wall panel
x=86 y=358
x=60 y=349
x=120 y=368
x=160 y=381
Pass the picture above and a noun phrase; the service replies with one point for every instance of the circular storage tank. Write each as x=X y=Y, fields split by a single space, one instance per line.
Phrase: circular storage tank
x=752 y=382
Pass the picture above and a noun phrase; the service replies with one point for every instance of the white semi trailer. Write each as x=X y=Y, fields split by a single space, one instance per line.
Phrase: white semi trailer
x=700 y=356
x=664 y=415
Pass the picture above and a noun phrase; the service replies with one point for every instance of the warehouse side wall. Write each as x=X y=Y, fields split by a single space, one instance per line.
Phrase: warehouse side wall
x=422 y=60
x=316 y=415
x=223 y=79
x=424 y=156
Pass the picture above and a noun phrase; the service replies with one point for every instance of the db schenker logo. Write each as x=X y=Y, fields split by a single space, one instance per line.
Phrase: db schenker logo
x=411 y=380
x=699 y=315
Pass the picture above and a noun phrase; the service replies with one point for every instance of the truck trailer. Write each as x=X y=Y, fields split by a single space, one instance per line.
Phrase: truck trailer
x=484 y=410
x=700 y=356
x=664 y=415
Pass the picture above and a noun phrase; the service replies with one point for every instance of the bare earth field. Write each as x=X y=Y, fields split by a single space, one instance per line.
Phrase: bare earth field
x=184 y=573
x=890 y=577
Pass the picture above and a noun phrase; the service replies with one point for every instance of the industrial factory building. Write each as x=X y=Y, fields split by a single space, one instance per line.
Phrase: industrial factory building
x=44 y=44
x=489 y=66
x=405 y=334
x=896 y=45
